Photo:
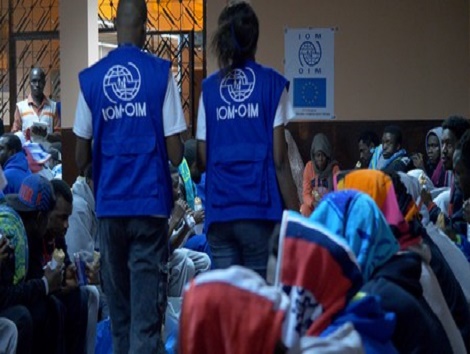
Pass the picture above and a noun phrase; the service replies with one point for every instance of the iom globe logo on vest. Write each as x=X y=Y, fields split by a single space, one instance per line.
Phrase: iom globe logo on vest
x=237 y=87
x=121 y=84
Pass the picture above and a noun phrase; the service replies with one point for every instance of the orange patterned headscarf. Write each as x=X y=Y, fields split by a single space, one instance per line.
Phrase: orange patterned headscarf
x=379 y=186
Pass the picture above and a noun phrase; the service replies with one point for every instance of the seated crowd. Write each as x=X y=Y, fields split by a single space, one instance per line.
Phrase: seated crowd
x=376 y=260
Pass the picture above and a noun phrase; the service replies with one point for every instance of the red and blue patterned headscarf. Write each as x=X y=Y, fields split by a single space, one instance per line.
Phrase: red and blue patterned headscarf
x=318 y=271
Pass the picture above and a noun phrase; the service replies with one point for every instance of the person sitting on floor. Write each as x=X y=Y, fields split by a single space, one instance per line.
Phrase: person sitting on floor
x=450 y=222
x=367 y=143
x=392 y=275
x=25 y=216
x=184 y=263
x=16 y=323
x=433 y=166
x=391 y=155
x=453 y=256
x=252 y=323
x=82 y=319
x=318 y=173
x=441 y=291
x=322 y=277
x=13 y=161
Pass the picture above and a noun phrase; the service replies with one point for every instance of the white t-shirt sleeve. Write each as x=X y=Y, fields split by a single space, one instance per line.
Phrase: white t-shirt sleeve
x=173 y=117
x=201 y=121
x=284 y=111
x=82 y=126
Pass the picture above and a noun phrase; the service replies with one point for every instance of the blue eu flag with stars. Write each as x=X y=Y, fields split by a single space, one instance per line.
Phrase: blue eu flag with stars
x=310 y=92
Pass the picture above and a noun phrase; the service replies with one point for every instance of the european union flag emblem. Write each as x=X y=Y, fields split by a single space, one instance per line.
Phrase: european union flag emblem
x=310 y=92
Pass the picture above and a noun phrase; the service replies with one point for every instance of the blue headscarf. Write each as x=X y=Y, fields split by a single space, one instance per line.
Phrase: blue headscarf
x=356 y=217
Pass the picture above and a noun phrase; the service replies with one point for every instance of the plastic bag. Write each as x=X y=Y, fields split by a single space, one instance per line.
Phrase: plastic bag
x=104 y=341
x=172 y=316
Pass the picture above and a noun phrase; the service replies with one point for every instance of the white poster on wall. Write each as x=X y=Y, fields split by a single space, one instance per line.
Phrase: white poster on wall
x=309 y=66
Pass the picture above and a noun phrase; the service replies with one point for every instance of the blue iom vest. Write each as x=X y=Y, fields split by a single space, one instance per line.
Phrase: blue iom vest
x=240 y=108
x=125 y=92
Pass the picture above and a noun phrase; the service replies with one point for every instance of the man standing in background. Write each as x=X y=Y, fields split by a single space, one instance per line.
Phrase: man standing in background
x=37 y=108
x=130 y=108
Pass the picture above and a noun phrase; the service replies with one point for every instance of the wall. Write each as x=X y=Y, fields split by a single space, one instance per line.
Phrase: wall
x=401 y=61
x=78 y=49
x=393 y=59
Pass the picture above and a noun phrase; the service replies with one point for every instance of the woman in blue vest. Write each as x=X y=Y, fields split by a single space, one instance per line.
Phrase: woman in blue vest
x=242 y=146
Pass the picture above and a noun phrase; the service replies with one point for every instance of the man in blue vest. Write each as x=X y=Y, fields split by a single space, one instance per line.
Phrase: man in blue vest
x=130 y=108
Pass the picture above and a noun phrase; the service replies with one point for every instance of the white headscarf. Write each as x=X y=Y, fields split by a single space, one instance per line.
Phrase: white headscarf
x=413 y=187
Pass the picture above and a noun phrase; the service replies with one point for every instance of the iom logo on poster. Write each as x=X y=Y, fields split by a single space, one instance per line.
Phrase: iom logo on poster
x=310 y=53
x=122 y=83
x=238 y=85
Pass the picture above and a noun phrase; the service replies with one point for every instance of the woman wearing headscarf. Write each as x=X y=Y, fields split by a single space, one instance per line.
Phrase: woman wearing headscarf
x=318 y=173
x=393 y=276
x=241 y=145
x=453 y=256
x=234 y=311
x=433 y=166
x=440 y=196
x=231 y=311
x=402 y=215
x=321 y=275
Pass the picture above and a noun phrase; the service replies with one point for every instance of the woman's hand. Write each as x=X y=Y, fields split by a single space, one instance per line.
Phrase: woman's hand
x=418 y=160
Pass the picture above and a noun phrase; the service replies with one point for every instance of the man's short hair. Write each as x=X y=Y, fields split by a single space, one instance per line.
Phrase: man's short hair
x=396 y=132
x=457 y=125
x=131 y=13
x=369 y=137
x=61 y=188
x=13 y=142
x=464 y=146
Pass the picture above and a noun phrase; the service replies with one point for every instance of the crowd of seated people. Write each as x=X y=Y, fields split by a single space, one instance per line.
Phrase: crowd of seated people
x=348 y=280
x=376 y=260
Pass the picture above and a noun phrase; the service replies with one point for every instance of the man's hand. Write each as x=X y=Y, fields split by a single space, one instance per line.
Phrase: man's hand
x=93 y=272
x=426 y=197
x=180 y=209
x=71 y=281
x=54 y=278
x=198 y=216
